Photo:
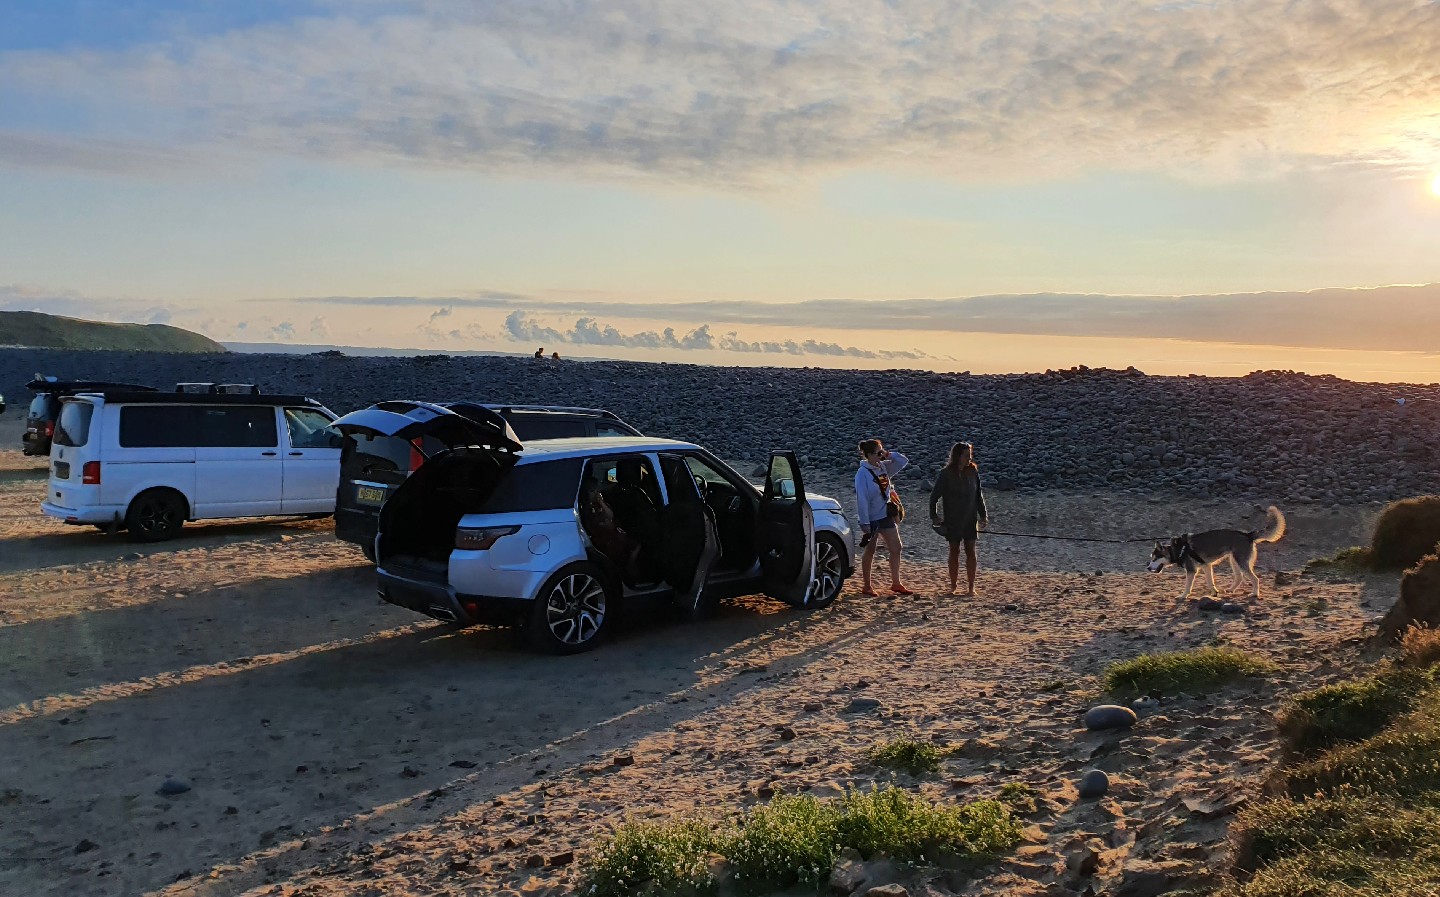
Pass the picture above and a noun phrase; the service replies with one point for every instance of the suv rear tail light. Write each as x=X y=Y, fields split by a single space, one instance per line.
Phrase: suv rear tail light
x=90 y=473
x=467 y=539
x=48 y=429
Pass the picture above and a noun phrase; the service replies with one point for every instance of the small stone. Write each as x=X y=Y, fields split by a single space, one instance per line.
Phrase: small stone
x=1146 y=704
x=1109 y=716
x=408 y=773
x=624 y=760
x=85 y=846
x=172 y=787
x=564 y=858
x=787 y=734
x=814 y=707
x=1230 y=607
x=862 y=705
x=464 y=764
x=232 y=811
x=1209 y=604
x=846 y=876
x=891 y=890
x=534 y=861
x=1094 y=783
x=1083 y=861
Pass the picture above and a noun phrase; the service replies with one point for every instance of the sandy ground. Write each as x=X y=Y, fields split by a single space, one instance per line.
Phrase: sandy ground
x=336 y=745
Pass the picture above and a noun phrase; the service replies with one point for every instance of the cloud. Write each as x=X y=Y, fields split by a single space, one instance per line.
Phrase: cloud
x=284 y=331
x=521 y=327
x=754 y=90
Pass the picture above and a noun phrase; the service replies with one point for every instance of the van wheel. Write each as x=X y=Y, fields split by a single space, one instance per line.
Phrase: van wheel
x=572 y=611
x=829 y=573
x=155 y=516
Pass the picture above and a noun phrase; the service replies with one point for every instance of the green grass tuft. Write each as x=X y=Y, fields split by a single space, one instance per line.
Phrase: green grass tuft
x=1350 y=711
x=905 y=826
x=1195 y=672
x=908 y=755
x=1355 y=559
x=794 y=840
x=674 y=857
x=1020 y=797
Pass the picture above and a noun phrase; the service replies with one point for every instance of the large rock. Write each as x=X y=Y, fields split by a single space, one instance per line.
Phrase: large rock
x=1419 y=603
x=1109 y=716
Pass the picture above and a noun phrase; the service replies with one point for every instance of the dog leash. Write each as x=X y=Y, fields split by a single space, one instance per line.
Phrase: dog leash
x=997 y=532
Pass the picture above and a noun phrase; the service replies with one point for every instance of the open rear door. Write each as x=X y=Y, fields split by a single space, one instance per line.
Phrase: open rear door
x=689 y=535
x=785 y=532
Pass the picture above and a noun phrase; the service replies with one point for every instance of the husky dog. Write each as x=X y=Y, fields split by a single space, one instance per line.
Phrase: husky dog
x=1205 y=550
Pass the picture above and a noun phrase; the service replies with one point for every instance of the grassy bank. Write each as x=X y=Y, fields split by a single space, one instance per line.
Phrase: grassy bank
x=42 y=331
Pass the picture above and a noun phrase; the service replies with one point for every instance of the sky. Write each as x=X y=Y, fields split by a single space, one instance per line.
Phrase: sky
x=969 y=184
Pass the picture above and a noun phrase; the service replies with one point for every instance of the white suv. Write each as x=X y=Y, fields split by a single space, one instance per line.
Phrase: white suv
x=553 y=535
x=149 y=461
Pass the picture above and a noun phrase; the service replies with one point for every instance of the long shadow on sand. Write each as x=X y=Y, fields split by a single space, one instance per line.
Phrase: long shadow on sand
x=86 y=545
x=325 y=736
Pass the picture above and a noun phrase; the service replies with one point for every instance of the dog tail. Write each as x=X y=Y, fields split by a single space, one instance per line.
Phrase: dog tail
x=1274 y=526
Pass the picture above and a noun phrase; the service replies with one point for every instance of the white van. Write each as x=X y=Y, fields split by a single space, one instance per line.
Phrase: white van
x=149 y=461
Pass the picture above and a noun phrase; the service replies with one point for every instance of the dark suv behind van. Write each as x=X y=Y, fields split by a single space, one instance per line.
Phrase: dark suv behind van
x=45 y=407
x=372 y=465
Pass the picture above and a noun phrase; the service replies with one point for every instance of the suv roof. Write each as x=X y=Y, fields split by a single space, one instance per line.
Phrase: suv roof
x=554 y=409
x=554 y=449
x=129 y=397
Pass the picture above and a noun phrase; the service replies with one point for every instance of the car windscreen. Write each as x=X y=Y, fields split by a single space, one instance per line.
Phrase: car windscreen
x=368 y=453
x=73 y=427
x=542 y=486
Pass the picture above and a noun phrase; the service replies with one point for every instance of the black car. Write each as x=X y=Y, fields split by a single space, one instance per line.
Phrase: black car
x=373 y=465
x=45 y=407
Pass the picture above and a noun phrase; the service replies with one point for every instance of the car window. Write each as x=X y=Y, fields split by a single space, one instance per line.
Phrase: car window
x=310 y=429
x=73 y=427
x=532 y=427
x=606 y=474
x=706 y=472
x=197 y=426
x=366 y=453
x=611 y=430
x=542 y=486
x=40 y=407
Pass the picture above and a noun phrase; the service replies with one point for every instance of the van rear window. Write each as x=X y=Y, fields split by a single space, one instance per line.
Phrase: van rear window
x=73 y=427
x=533 y=427
x=543 y=486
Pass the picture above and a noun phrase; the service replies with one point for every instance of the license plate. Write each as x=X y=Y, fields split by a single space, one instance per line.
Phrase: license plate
x=369 y=495
x=62 y=470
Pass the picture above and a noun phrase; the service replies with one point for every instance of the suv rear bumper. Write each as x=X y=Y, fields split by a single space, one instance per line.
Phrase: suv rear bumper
x=438 y=600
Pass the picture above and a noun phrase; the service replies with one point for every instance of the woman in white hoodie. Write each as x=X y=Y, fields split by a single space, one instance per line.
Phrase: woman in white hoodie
x=872 y=494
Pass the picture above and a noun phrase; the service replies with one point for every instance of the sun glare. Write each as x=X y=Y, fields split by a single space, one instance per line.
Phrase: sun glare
x=1435 y=185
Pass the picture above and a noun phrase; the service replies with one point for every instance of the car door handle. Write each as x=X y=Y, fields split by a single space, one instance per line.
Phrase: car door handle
x=268 y=454
x=297 y=454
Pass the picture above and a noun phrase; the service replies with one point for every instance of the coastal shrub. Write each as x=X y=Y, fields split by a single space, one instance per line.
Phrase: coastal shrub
x=1402 y=762
x=1195 y=672
x=1272 y=830
x=899 y=824
x=909 y=755
x=1420 y=647
x=1405 y=532
x=1419 y=603
x=673 y=858
x=791 y=840
x=1350 y=711
x=1355 y=559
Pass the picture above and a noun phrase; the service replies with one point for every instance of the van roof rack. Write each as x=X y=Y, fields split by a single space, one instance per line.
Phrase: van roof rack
x=219 y=389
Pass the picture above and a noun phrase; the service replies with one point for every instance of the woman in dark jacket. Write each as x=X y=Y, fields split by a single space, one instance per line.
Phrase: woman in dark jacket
x=957 y=510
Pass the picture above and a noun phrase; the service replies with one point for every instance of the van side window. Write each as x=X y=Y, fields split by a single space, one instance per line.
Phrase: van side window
x=310 y=429
x=197 y=426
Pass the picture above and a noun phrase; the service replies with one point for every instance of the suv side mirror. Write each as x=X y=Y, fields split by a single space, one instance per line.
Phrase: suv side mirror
x=787 y=488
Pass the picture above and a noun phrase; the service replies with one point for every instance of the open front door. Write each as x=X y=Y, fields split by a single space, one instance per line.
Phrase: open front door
x=785 y=532
x=688 y=533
